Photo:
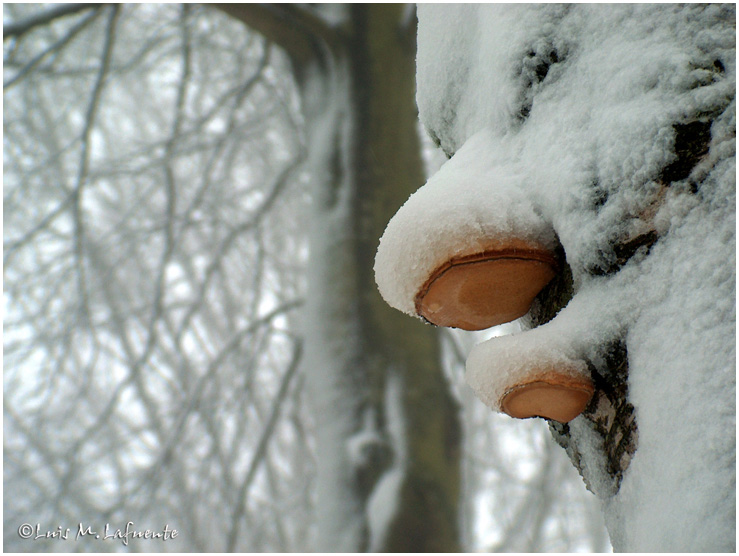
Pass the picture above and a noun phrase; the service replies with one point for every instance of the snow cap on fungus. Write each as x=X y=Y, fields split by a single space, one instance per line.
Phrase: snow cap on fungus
x=472 y=206
x=529 y=375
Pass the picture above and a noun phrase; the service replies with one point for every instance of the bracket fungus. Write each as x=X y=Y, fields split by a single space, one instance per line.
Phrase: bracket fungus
x=496 y=286
x=530 y=374
x=488 y=288
x=555 y=396
x=493 y=286
x=483 y=271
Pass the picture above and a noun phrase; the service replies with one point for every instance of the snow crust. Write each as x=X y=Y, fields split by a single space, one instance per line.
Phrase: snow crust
x=561 y=121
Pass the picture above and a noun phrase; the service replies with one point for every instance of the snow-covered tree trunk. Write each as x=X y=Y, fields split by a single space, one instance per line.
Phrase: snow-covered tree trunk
x=591 y=148
x=387 y=426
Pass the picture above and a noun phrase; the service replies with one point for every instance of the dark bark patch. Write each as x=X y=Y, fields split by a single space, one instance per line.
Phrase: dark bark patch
x=336 y=176
x=533 y=70
x=692 y=141
x=622 y=253
x=611 y=417
x=555 y=295
x=610 y=414
x=691 y=144
x=599 y=195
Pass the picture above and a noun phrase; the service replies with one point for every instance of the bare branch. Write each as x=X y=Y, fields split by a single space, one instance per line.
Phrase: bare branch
x=92 y=109
x=73 y=196
x=58 y=45
x=169 y=179
x=152 y=426
x=261 y=449
x=18 y=28
x=301 y=34
x=278 y=186
x=194 y=399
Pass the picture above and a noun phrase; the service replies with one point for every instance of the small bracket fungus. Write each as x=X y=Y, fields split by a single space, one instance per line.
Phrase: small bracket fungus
x=485 y=289
x=557 y=397
x=527 y=375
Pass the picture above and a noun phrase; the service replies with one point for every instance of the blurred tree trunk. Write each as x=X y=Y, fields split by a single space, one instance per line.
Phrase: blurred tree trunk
x=387 y=427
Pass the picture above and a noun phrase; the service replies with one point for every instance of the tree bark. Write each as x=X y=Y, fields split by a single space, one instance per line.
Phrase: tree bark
x=387 y=427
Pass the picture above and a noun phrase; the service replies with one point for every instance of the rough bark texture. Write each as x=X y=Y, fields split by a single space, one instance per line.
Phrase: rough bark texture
x=387 y=425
